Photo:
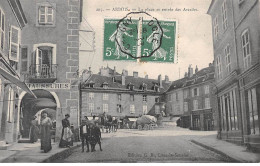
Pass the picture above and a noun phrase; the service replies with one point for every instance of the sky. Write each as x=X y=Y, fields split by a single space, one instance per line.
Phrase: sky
x=194 y=40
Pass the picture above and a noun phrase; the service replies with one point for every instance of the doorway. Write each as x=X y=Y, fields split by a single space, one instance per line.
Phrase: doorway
x=31 y=107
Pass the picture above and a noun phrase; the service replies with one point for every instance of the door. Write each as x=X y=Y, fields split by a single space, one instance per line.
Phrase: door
x=38 y=64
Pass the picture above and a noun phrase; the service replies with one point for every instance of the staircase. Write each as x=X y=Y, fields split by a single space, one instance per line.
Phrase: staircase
x=169 y=122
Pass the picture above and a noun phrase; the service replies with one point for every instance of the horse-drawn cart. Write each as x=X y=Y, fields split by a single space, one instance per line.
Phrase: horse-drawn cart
x=145 y=122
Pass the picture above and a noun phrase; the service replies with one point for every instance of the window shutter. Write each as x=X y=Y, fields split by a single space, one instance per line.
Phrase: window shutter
x=14 y=44
x=24 y=59
x=2 y=29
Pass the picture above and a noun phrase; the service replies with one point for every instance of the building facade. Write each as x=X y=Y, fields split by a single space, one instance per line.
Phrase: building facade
x=12 y=21
x=236 y=54
x=191 y=99
x=49 y=62
x=121 y=95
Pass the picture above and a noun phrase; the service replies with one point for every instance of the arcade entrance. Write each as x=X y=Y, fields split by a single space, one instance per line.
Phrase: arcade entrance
x=31 y=107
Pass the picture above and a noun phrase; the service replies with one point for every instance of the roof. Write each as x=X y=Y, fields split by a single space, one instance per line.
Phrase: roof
x=18 y=12
x=136 y=81
x=111 y=71
x=202 y=75
x=210 y=6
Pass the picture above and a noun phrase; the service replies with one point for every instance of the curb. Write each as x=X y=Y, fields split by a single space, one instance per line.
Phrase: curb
x=218 y=151
x=61 y=155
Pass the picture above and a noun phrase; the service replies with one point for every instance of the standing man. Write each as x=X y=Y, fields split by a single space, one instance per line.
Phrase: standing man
x=95 y=136
x=85 y=134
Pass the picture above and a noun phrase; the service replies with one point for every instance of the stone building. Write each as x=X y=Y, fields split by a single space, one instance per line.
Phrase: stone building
x=191 y=99
x=235 y=26
x=12 y=21
x=121 y=95
x=49 y=62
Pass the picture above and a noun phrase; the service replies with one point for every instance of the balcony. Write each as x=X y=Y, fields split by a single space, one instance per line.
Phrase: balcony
x=42 y=73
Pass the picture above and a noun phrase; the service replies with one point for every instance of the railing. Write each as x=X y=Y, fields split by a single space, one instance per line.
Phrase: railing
x=42 y=71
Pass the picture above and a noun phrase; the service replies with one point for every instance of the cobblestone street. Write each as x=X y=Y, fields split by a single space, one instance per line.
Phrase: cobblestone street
x=159 y=145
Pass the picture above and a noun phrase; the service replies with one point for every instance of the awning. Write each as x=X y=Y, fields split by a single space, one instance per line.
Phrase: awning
x=132 y=119
x=16 y=81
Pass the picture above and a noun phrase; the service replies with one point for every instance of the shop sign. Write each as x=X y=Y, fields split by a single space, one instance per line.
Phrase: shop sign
x=48 y=85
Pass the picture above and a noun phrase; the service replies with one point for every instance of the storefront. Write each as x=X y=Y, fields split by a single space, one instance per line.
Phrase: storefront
x=250 y=95
x=10 y=86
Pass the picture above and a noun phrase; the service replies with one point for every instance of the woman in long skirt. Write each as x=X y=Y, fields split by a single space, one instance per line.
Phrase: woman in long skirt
x=34 y=130
x=46 y=133
x=66 y=135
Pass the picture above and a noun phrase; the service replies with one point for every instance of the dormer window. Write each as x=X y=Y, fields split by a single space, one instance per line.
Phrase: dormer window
x=130 y=86
x=193 y=81
x=143 y=87
x=90 y=84
x=105 y=85
x=205 y=77
x=114 y=79
x=156 y=88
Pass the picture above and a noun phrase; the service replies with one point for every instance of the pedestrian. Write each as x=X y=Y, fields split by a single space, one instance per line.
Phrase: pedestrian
x=86 y=118
x=46 y=124
x=102 y=122
x=66 y=135
x=84 y=134
x=34 y=130
x=95 y=136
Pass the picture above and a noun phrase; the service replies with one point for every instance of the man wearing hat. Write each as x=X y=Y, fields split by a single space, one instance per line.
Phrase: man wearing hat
x=85 y=134
x=95 y=136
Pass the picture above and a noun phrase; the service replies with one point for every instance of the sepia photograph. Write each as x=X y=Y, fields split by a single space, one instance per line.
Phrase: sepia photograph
x=128 y=81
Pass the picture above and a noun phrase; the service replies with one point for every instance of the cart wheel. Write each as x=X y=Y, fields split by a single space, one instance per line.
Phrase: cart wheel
x=139 y=127
x=146 y=127
x=151 y=127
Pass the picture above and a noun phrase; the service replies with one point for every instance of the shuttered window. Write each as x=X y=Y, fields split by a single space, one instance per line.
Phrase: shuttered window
x=14 y=44
x=2 y=29
x=24 y=59
x=46 y=15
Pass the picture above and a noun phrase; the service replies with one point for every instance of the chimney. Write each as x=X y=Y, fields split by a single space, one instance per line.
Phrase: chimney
x=196 y=69
x=146 y=76
x=160 y=80
x=186 y=74
x=167 y=79
x=135 y=74
x=114 y=70
x=123 y=79
x=125 y=72
x=104 y=71
x=190 y=71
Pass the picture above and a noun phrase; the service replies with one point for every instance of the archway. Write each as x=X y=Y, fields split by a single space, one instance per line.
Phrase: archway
x=31 y=107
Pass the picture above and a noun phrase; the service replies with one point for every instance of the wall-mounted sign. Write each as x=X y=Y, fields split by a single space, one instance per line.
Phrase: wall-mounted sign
x=48 y=85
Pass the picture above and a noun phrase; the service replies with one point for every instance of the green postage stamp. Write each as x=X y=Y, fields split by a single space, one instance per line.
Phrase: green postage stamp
x=140 y=37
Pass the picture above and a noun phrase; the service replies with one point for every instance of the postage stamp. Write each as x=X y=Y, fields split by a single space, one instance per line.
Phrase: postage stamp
x=140 y=37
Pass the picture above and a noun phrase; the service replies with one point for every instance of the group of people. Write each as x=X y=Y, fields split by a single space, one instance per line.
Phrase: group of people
x=43 y=131
x=89 y=133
